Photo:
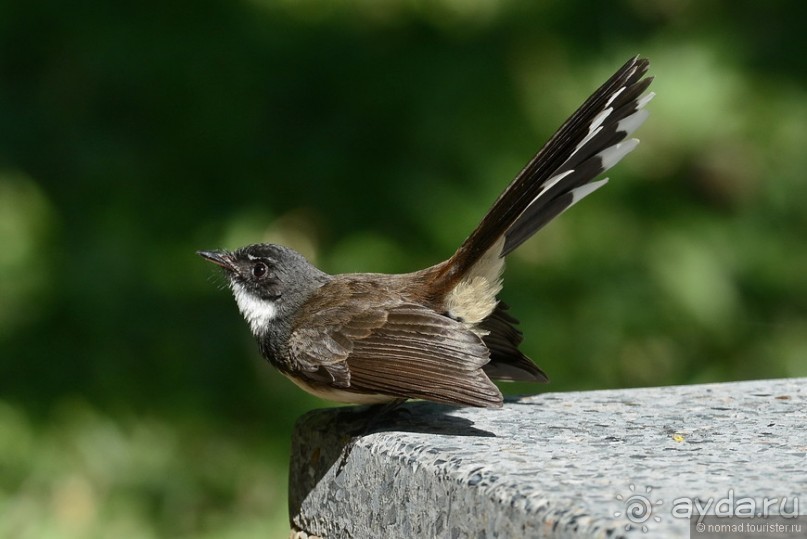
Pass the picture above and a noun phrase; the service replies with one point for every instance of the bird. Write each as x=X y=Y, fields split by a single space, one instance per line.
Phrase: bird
x=438 y=334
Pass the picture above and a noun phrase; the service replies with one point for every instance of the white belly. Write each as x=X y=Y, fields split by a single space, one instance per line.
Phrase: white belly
x=340 y=395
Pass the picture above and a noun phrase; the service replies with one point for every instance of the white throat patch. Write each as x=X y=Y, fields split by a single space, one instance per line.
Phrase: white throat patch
x=257 y=312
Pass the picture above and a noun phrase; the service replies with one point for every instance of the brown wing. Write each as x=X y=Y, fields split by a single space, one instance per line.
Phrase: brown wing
x=376 y=343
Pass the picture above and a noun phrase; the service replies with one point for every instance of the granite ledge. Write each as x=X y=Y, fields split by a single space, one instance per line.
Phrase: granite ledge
x=550 y=465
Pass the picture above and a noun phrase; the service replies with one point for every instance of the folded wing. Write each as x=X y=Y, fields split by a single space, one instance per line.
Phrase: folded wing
x=392 y=347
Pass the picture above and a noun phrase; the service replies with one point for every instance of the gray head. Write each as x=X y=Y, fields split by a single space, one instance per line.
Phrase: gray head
x=269 y=282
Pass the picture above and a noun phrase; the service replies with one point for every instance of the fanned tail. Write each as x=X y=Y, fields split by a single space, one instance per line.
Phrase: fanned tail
x=591 y=141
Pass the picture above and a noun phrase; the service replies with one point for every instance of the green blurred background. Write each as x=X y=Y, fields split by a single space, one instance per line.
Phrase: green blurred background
x=371 y=136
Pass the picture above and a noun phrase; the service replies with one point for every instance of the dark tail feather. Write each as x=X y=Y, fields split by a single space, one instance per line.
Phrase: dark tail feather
x=591 y=141
x=602 y=148
x=506 y=360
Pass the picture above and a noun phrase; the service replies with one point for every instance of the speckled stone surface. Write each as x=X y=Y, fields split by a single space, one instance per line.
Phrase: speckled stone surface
x=552 y=465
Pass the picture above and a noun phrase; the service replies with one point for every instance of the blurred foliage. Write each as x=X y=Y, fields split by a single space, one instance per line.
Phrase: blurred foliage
x=372 y=136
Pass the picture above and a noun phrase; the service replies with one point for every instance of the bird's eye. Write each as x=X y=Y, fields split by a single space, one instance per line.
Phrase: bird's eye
x=259 y=270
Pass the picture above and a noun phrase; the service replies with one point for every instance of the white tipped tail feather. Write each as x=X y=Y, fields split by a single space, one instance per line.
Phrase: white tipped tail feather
x=614 y=154
x=584 y=190
x=563 y=172
x=632 y=123
x=592 y=141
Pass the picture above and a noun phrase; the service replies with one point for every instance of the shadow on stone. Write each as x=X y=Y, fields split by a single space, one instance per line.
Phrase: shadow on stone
x=323 y=440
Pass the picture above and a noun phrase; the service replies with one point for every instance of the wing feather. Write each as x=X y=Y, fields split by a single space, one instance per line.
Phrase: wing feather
x=394 y=348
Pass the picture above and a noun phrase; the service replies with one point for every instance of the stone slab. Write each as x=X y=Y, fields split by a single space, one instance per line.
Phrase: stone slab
x=616 y=463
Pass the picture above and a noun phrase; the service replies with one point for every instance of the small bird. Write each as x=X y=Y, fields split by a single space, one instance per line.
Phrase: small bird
x=438 y=334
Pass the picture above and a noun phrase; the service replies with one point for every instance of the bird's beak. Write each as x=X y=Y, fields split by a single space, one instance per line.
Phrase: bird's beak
x=220 y=258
